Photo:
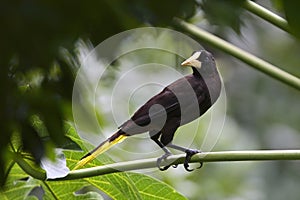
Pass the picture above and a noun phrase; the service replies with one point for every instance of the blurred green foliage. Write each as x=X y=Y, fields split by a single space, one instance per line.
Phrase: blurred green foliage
x=292 y=15
x=224 y=13
x=36 y=83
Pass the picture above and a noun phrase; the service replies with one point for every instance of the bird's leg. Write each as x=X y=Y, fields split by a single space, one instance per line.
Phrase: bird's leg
x=160 y=159
x=163 y=157
x=189 y=154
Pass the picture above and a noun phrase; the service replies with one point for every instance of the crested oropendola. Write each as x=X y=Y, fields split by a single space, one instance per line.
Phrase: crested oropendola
x=177 y=104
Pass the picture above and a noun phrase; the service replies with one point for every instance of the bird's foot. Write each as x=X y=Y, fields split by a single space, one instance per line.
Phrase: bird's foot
x=189 y=154
x=162 y=158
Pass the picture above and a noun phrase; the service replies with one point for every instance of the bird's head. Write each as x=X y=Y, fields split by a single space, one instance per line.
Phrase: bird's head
x=199 y=59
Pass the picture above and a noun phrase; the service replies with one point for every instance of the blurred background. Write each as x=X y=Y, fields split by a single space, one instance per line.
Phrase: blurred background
x=43 y=44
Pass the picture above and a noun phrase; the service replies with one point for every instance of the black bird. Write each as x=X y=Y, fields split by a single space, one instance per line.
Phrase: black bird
x=177 y=104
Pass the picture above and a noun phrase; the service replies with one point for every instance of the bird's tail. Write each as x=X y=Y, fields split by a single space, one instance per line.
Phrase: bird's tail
x=104 y=146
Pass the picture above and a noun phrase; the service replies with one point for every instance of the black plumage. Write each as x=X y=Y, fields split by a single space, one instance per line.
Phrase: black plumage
x=177 y=104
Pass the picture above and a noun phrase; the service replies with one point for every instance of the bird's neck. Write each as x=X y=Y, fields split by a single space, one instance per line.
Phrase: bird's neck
x=196 y=72
x=207 y=71
x=211 y=78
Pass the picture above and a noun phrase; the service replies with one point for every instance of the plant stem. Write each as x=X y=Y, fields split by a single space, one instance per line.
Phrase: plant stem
x=263 y=155
x=242 y=55
x=28 y=168
x=267 y=15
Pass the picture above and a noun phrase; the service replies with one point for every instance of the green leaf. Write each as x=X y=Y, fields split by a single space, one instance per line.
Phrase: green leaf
x=18 y=185
x=63 y=189
x=89 y=195
x=69 y=144
x=150 y=188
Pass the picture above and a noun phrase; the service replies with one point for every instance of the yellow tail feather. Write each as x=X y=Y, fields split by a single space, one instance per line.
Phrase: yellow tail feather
x=99 y=150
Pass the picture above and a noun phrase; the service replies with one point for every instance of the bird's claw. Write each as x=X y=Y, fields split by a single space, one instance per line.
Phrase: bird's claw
x=160 y=159
x=189 y=154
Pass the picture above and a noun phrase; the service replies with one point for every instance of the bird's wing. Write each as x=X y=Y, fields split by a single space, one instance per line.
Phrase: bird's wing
x=167 y=101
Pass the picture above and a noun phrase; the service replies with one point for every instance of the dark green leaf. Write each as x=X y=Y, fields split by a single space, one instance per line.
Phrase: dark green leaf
x=224 y=13
x=32 y=142
x=158 y=13
x=69 y=144
x=291 y=9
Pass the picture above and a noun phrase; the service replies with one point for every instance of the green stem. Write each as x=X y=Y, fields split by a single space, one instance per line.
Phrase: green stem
x=267 y=15
x=28 y=168
x=263 y=155
x=242 y=55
